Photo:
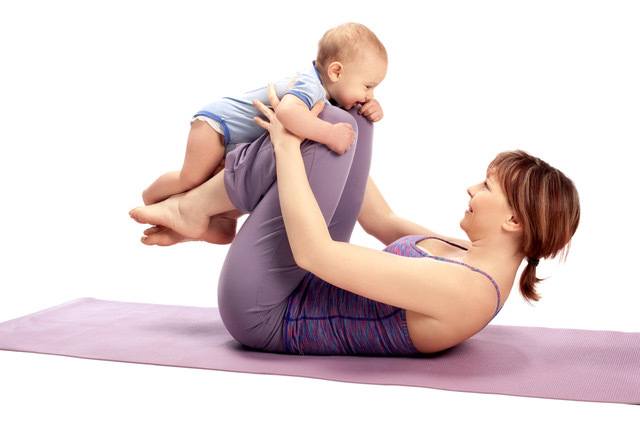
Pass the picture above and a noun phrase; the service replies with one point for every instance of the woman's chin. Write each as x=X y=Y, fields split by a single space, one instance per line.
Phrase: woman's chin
x=462 y=220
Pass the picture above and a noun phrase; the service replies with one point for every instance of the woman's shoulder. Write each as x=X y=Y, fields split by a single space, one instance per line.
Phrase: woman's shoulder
x=480 y=285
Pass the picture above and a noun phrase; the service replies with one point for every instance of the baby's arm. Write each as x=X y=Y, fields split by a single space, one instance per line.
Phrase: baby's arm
x=296 y=117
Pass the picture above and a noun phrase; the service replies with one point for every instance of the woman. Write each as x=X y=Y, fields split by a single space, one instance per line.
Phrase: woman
x=274 y=294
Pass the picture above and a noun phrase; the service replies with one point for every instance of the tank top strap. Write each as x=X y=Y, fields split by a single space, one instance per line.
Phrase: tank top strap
x=414 y=239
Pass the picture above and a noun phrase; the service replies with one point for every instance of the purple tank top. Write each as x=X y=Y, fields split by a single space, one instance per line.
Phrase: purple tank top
x=407 y=246
x=323 y=319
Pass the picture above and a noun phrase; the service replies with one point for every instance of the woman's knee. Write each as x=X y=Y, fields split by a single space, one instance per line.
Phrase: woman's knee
x=334 y=115
x=363 y=124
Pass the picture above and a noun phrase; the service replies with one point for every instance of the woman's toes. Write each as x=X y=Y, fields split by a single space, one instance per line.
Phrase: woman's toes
x=153 y=229
x=154 y=239
x=163 y=237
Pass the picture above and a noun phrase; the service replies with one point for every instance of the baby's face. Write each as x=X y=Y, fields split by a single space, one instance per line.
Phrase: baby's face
x=358 y=81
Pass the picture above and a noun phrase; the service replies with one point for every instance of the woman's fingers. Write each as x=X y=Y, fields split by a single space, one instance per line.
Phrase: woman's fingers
x=268 y=112
x=262 y=108
x=273 y=96
x=262 y=123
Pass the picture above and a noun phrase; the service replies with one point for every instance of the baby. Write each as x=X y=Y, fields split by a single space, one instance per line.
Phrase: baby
x=350 y=63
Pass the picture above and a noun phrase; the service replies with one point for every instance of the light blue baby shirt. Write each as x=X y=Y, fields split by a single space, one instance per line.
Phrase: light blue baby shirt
x=235 y=113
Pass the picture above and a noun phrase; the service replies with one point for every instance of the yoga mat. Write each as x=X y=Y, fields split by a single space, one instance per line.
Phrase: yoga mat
x=569 y=364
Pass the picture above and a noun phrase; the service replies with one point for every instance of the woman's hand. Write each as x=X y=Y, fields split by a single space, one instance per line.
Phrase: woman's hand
x=279 y=134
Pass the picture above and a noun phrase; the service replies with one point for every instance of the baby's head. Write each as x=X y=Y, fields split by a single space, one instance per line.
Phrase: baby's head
x=352 y=62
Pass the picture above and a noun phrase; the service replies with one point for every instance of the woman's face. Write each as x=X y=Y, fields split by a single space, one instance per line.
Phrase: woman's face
x=488 y=209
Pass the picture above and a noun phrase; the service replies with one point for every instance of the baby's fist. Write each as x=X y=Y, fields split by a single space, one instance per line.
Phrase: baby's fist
x=341 y=137
x=371 y=110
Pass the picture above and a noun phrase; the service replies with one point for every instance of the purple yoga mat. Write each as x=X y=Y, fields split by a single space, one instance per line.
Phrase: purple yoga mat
x=570 y=364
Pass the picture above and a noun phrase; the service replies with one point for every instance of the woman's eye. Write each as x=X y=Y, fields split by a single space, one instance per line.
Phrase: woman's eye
x=487 y=186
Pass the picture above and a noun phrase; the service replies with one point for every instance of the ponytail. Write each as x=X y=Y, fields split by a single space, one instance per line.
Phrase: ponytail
x=528 y=280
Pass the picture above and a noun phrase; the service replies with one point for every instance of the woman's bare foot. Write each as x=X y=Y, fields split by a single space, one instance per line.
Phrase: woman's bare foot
x=175 y=214
x=221 y=230
x=163 y=236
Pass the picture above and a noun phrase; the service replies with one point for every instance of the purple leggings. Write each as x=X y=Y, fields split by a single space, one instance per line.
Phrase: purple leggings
x=259 y=273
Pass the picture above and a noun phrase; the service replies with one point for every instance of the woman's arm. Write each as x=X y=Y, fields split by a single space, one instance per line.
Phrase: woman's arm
x=378 y=220
x=394 y=227
x=432 y=288
x=426 y=287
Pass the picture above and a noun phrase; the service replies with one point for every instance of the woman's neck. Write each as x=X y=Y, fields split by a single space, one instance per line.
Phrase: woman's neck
x=497 y=258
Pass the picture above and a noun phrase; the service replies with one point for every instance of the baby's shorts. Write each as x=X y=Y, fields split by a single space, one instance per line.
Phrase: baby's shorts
x=218 y=128
x=214 y=124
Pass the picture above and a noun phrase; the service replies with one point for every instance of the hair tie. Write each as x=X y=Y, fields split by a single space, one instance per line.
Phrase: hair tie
x=533 y=261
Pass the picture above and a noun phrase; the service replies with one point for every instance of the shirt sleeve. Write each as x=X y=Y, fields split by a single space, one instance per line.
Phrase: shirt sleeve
x=308 y=89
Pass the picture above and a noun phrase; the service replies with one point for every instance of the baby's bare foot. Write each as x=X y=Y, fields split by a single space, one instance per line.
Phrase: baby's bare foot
x=221 y=230
x=175 y=214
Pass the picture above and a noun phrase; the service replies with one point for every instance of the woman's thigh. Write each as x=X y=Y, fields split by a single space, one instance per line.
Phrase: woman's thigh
x=259 y=272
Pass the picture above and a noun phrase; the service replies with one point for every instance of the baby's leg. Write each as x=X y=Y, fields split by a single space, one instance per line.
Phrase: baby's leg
x=188 y=213
x=205 y=150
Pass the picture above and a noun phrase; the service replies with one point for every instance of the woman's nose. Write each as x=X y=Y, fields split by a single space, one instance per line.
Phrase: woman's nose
x=474 y=188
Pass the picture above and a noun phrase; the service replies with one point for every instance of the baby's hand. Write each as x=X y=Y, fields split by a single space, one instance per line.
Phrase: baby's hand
x=371 y=110
x=341 y=137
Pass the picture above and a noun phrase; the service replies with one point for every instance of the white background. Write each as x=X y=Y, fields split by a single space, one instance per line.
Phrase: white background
x=95 y=103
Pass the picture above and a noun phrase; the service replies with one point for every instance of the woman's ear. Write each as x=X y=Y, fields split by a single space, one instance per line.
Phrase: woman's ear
x=512 y=225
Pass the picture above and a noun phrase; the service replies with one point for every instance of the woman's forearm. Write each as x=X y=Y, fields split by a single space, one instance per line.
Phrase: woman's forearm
x=304 y=223
x=406 y=227
x=396 y=227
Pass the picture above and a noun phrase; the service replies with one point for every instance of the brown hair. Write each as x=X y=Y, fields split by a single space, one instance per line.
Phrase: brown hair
x=347 y=42
x=546 y=203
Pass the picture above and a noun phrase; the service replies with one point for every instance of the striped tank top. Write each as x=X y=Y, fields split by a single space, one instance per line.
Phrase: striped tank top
x=323 y=319
x=408 y=246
